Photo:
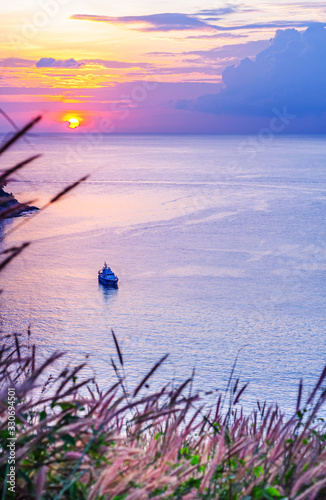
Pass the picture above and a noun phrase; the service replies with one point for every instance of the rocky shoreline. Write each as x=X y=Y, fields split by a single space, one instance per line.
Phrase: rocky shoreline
x=10 y=207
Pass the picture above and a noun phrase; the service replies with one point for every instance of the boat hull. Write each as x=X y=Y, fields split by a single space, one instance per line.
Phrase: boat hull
x=108 y=283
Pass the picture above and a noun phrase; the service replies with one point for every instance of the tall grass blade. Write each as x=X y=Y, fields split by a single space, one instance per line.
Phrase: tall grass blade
x=17 y=167
x=67 y=189
x=117 y=347
x=19 y=134
x=152 y=371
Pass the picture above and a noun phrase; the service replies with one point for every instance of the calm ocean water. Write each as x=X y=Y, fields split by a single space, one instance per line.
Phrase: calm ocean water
x=218 y=241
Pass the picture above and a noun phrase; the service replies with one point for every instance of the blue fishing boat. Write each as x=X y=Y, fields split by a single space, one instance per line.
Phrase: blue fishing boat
x=107 y=277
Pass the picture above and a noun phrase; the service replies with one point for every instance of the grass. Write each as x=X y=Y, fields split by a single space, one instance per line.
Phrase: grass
x=75 y=441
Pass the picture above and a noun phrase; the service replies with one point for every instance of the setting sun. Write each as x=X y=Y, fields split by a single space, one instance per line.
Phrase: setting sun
x=73 y=122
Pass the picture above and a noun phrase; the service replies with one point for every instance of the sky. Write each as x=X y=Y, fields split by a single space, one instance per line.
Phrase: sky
x=164 y=67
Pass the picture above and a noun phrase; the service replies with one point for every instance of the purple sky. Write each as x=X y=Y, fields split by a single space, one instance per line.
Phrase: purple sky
x=169 y=68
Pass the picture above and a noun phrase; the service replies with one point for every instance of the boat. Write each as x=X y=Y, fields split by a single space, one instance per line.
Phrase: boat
x=107 y=277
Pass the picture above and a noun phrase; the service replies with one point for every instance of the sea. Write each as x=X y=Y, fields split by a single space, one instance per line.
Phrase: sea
x=220 y=248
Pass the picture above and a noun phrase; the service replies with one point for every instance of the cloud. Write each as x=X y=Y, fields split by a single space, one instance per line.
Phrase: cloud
x=232 y=51
x=212 y=61
x=152 y=22
x=264 y=25
x=268 y=25
x=166 y=21
x=16 y=62
x=219 y=12
x=49 y=62
x=179 y=22
x=117 y=64
x=185 y=70
x=161 y=54
x=26 y=90
x=216 y=36
x=291 y=72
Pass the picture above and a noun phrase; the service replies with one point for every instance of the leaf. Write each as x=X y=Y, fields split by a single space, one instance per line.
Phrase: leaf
x=43 y=415
x=67 y=438
x=258 y=471
x=257 y=492
x=217 y=426
x=195 y=460
x=273 y=492
x=65 y=406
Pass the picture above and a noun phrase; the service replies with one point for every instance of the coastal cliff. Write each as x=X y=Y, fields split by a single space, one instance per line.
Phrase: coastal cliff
x=10 y=207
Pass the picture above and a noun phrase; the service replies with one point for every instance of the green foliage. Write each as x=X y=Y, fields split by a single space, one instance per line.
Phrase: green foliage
x=158 y=491
x=258 y=471
x=186 y=487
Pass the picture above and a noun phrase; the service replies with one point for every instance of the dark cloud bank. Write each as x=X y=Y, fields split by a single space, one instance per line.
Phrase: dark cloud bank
x=49 y=62
x=290 y=73
x=153 y=22
x=184 y=22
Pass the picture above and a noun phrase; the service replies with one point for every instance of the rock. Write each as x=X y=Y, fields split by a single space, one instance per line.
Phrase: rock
x=10 y=207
